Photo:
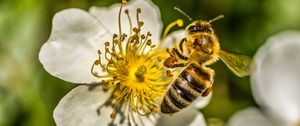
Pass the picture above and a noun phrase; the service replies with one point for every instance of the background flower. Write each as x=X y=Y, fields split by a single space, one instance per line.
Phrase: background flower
x=275 y=84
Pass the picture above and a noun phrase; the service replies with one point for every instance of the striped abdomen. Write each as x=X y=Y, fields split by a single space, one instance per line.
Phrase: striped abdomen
x=191 y=83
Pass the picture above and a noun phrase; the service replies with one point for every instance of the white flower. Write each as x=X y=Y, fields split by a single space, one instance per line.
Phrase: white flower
x=122 y=73
x=275 y=84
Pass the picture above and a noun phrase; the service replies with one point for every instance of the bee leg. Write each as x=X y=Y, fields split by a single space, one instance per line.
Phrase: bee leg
x=179 y=54
x=207 y=92
x=181 y=44
x=170 y=53
x=180 y=65
x=169 y=74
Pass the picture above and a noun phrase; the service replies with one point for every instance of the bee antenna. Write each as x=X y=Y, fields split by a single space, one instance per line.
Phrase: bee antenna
x=216 y=18
x=179 y=10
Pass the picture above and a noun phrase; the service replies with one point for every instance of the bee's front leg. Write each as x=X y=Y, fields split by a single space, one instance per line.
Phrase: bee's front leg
x=181 y=56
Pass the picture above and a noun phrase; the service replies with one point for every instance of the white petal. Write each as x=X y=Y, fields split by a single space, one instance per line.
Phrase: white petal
x=72 y=47
x=186 y=117
x=150 y=16
x=201 y=102
x=173 y=39
x=276 y=79
x=80 y=108
x=249 y=117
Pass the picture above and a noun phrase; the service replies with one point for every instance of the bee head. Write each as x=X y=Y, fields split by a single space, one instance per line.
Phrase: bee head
x=199 y=26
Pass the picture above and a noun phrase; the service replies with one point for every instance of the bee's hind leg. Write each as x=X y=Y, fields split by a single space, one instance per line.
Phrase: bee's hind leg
x=207 y=92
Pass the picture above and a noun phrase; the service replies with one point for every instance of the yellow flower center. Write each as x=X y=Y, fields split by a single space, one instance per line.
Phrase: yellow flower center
x=137 y=73
x=135 y=68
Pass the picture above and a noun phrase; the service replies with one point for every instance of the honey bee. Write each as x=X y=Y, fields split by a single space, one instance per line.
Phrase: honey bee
x=199 y=49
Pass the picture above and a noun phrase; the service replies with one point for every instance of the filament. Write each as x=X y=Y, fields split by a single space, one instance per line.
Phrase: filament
x=178 y=22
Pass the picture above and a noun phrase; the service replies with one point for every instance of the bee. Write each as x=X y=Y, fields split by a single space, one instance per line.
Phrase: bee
x=197 y=50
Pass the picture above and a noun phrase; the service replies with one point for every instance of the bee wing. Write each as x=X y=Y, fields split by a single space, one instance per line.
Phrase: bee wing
x=239 y=64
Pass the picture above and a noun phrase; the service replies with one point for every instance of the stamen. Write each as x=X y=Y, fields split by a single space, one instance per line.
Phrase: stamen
x=136 y=30
x=120 y=44
x=140 y=24
x=95 y=74
x=178 y=22
x=138 y=11
x=141 y=47
x=144 y=46
x=130 y=22
x=119 y=17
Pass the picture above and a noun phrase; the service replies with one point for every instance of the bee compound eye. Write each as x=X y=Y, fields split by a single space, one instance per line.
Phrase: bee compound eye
x=194 y=28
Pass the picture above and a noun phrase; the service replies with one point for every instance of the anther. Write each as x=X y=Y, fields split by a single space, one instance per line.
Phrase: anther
x=99 y=52
x=149 y=42
x=120 y=58
x=113 y=115
x=141 y=24
x=138 y=10
x=180 y=22
x=138 y=30
x=124 y=2
x=126 y=11
x=149 y=33
x=143 y=36
x=106 y=43
x=97 y=62
x=135 y=29
x=125 y=35
x=115 y=36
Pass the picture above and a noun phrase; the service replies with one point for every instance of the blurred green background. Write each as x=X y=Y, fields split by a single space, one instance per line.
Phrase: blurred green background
x=28 y=94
